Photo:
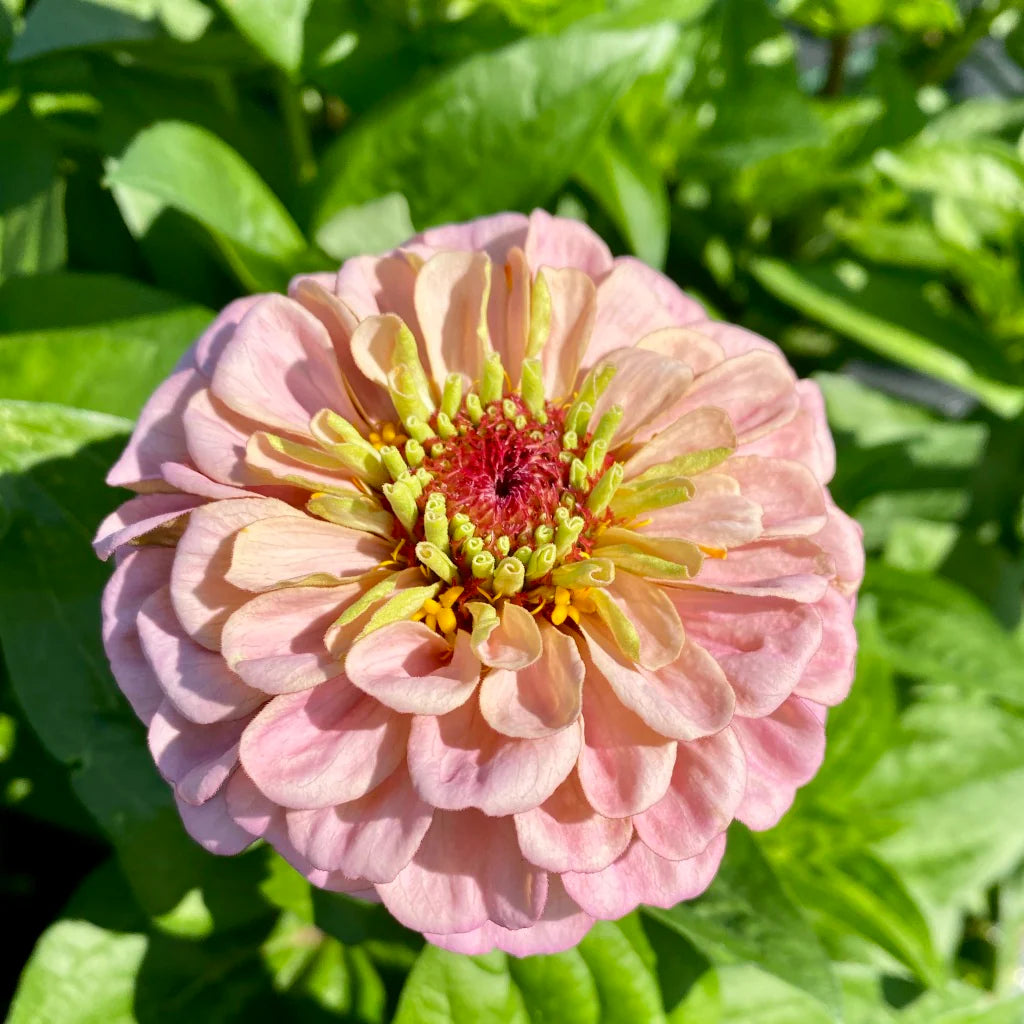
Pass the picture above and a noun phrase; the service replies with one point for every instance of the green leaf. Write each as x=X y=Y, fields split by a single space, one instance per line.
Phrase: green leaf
x=375 y=226
x=557 y=989
x=274 y=27
x=501 y=131
x=620 y=175
x=626 y=989
x=91 y=340
x=832 y=17
x=746 y=917
x=32 y=231
x=54 y=25
x=190 y=170
x=889 y=313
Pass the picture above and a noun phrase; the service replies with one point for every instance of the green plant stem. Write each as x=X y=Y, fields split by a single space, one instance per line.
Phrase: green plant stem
x=296 y=129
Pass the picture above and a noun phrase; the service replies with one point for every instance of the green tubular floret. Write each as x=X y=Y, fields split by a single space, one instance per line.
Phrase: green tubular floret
x=605 y=488
x=541 y=562
x=532 y=385
x=393 y=461
x=492 y=380
x=435 y=528
x=451 y=397
x=482 y=565
x=607 y=425
x=594 y=457
x=437 y=561
x=510 y=412
x=578 y=474
x=509 y=577
x=523 y=553
x=473 y=546
x=402 y=502
x=418 y=430
x=543 y=534
x=474 y=409
x=570 y=440
x=445 y=428
x=414 y=453
x=567 y=534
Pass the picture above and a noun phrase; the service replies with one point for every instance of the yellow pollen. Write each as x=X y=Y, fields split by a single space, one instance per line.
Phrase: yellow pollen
x=386 y=434
x=436 y=612
x=568 y=604
x=713 y=552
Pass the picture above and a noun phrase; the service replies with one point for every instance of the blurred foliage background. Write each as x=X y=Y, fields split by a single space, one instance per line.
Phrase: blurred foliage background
x=844 y=176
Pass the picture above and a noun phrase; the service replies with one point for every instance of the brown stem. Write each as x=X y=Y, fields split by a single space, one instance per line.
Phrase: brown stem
x=836 y=65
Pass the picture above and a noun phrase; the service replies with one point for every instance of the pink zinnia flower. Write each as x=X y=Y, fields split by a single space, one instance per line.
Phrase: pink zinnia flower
x=488 y=578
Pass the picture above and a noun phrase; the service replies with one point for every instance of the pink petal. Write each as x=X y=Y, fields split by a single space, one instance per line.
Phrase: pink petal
x=756 y=390
x=694 y=431
x=641 y=876
x=648 y=608
x=540 y=699
x=275 y=642
x=457 y=760
x=216 y=438
x=763 y=645
x=208 y=348
x=322 y=746
x=572 y=319
x=829 y=674
x=696 y=350
x=797 y=570
x=707 y=787
x=508 y=311
x=264 y=462
x=648 y=387
x=142 y=572
x=733 y=339
x=513 y=643
x=197 y=758
x=450 y=291
x=410 y=668
x=190 y=480
x=279 y=368
x=565 y=833
x=468 y=870
x=495 y=235
x=137 y=517
x=158 y=436
x=791 y=499
x=685 y=700
x=289 y=548
x=682 y=308
x=197 y=681
x=783 y=752
x=625 y=766
x=373 y=348
x=717 y=516
x=561 y=242
x=843 y=538
x=202 y=597
x=372 y=838
x=211 y=826
x=560 y=927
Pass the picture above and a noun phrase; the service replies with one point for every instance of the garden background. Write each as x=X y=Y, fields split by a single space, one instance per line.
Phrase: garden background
x=843 y=176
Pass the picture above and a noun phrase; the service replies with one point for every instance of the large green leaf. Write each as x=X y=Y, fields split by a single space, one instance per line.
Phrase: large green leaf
x=746 y=917
x=274 y=27
x=190 y=170
x=91 y=340
x=499 y=132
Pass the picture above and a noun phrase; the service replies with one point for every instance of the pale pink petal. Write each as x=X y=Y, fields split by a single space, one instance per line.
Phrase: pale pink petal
x=641 y=876
x=513 y=643
x=212 y=827
x=783 y=751
x=197 y=758
x=207 y=350
x=197 y=681
x=829 y=674
x=805 y=438
x=763 y=645
x=791 y=498
x=457 y=760
x=696 y=350
x=451 y=289
x=495 y=235
x=158 y=436
x=216 y=438
x=716 y=517
x=279 y=368
x=560 y=927
x=275 y=642
x=685 y=700
x=733 y=339
x=508 y=311
x=409 y=668
x=625 y=766
x=265 y=463
x=707 y=787
x=373 y=348
x=322 y=746
x=142 y=572
x=565 y=833
x=357 y=287
x=190 y=480
x=372 y=838
x=137 y=517
x=560 y=242
x=572 y=320
x=756 y=390
x=695 y=431
x=647 y=386
x=683 y=308
x=649 y=609
x=797 y=570
x=202 y=597
x=289 y=548
x=540 y=699
x=843 y=538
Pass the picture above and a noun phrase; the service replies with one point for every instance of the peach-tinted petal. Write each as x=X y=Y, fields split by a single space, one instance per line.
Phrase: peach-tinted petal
x=264 y=462
x=216 y=437
x=540 y=699
x=783 y=751
x=696 y=350
x=202 y=597
x=373 y=837
x=513 y=643
x=641 y=876
x=410 y=668
x=707 y=786
x=717 y=516
x=842 y=537
x=495 y=235
x=196 y=680
x=681 y=307
x=322 y=746
x=457 y=760
x=797 y=570
x=185 y=478
x=565 y=833
x=559 y=242
x=625 y=766
x=208 y=349
x=279 y=368
x=654 y=618
x=289 y=548
x=695 y=431
x=137 y=517
x=792 y=500
x=508 y=311
x=829 y=674
x=572 y=295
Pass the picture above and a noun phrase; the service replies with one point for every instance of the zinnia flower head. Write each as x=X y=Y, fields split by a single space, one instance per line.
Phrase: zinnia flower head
x=487 y=578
